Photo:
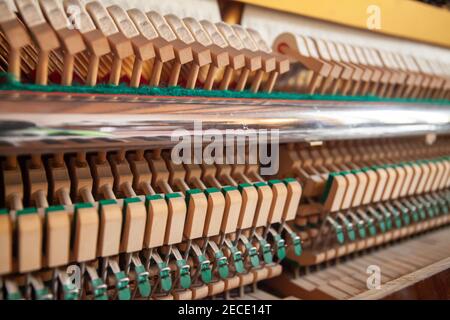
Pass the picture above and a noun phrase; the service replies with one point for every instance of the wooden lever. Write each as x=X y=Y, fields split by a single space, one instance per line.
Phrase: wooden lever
x=70 y=39
x=304 y=51
x=183 y=52
x=201 y=54
x=143 y=48
x=16 y=36
x=252 y=60
x=43 y=36
x=219 y=56
x=6 y=243
x=120 y=45
x=237 y=58
x=97 y=44
x=282 y=64
x=29 y=237
x=163 y=49
x=267 y=61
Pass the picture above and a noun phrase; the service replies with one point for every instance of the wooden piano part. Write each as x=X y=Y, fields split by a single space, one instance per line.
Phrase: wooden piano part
x=219 y=57
x=324 y=59
x=44 y=40
x=70 y=39
x=91 y=177
x=91 y=44
x=404 y=268
x=13 y=33
x=121 y=47
x=162 y=230
x=143 y=48
x=163 y=49
x=96 y=43
x=140 y=244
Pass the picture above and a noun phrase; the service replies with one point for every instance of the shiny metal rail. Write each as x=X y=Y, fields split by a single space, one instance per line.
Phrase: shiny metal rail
x=32 y=121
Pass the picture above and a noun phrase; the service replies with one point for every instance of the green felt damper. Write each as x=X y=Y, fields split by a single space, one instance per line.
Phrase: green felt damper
x=405 y=216
x=99 y=289
x=387 y=219
x=43 y=294
x=266 y=251
x=253 y=254
x=70 y=292
x=382 y=226
x=415 y=215
x=422 y=213
x=397 y=219
x=388 y=222
x=406 y=219
x=436 y=207
x=371 y=227
x=236 y=257
x=185 y=274
x=222 y=264
x=297 y=243
x=280 y=246
x=122 y=285
x=14 y=296
x=7 y=83
x=361 y=231
x=164 y=276
x=380 y=221
x=350 y=232
x=205 y=269
x=144 y=286
x=429 y=209
x=339 y=234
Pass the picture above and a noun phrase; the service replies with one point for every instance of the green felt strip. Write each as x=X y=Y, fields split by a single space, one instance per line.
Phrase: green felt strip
x=7 y=82
x=211 y=190
x=190 y=193
x=131 y=200
x=260 y=184
x=172 y=195
x=228 y=189
x=153 y=197
x=328 y=185
x=30 y=210
x=82 y=205
x=54 y=208
x=107 y=202
x=242 y=186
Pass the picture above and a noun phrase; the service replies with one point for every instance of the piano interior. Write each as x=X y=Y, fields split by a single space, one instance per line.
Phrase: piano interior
x=226 y=150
